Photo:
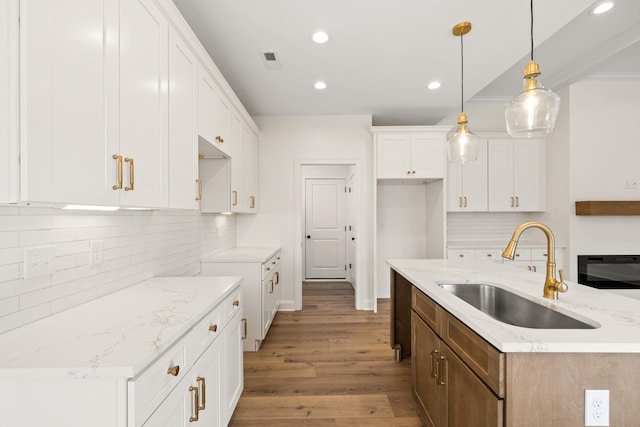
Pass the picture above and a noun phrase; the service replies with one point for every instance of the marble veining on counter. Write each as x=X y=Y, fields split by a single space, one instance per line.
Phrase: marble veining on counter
x=119 y=334
x=618 y=317
x=244 y=254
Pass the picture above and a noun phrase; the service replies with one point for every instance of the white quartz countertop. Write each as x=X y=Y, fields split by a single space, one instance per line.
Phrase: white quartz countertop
x=246 y=254
x=114 y=336
x=618 y=317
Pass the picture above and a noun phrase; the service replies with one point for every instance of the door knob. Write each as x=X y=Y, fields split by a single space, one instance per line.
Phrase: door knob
x=353 y=238
x=308 y=237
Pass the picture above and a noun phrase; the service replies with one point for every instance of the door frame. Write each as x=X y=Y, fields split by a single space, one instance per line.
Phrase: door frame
x=360 y=219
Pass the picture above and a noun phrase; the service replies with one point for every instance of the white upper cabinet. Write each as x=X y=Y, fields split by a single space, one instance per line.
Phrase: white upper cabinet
x=69 y=101
x=249 y=199
x=184 y=186
x=214 y=114
x=467 y=184
x=410 y=155
x=144 y=111
x=516 y=174
x=8 y=101
x=237 y=190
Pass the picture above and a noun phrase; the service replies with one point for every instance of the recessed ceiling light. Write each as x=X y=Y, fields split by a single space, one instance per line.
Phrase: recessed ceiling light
x=320 y=37
x=602 y=7
x=434 y=85
x=320 y=85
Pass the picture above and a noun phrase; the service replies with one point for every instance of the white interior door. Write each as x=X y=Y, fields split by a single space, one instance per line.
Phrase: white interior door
x=325 y=229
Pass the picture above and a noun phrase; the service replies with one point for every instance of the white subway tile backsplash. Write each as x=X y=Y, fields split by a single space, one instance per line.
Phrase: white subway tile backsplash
x=138 y=245
x=483 y=226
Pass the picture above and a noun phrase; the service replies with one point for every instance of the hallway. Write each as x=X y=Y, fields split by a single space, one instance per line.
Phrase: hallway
x=327 y=365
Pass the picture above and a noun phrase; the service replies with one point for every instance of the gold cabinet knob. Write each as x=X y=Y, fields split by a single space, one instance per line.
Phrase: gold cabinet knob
x=174 y=370
x=236 y=303
x=213 y=328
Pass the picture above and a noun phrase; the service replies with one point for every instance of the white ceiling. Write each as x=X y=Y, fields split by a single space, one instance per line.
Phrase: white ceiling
x=381 y=54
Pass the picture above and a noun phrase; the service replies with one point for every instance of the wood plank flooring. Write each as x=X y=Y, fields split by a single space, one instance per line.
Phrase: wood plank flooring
x=327 y=365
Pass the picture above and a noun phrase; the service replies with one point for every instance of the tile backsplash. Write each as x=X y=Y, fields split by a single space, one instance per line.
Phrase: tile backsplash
x=485 y=226
x=137 y=245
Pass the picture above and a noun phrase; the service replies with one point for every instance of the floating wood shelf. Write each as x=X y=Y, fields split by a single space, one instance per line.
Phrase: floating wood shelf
x=614 y=207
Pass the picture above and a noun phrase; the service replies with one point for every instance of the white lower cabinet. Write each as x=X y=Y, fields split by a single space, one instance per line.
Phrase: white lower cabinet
x=531 y=258
x=260 y=268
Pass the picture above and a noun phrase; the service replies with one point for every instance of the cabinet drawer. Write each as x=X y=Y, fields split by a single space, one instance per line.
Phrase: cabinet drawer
x=539 y=255
x=466 y=254
x=203 y=334
x=271 y=265
x=484 y=359
x=489 y=255
x=522 y=255
x=426 y=308
x=149 y=389
x=232 y=305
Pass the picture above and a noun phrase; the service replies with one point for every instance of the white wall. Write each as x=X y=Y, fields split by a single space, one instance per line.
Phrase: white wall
x=604 y=152
x=137 y=245
x=287 y=141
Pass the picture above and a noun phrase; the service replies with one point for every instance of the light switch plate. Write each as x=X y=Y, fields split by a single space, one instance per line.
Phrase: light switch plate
x=596 y=407
x=96 y=252
x=39 y=261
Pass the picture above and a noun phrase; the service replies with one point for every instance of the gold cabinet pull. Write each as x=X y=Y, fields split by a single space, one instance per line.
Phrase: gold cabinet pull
x=213 y=328
x=236 y=303
x=203 y=392
x=253 y=202
x=434 y=374
x=465 y=201
x=131 y=176
x=196 y=406
x=512 y=202
x=244 y=329
x=440 y=377
x=174 y=370
x=277 y=274
x=219 y=139
x=517 y=202
x=119 y=159
x=271 y=286
x=199 y=182
x=459 y=202
x=235 y=198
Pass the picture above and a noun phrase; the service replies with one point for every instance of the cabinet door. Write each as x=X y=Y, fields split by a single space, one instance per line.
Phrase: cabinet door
x=528 y=175
x=275 y=296
x=249 y=171
x=394 y=156
x=183 y=136
x=206 y=106
x=474 y=182
x=223 y=115
x=500 y=175
x=207 y=374
x=425 y=350
x=468 y=401
x=268 y=288
x=427 y=155
x=454 y=187
x=9 y=101
x=144 y=32
x=174 y=410
x=233 y=366
x=236 y=165
x=69 y=101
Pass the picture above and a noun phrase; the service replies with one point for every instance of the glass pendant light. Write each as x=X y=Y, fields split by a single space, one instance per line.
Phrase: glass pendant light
x=532 y=113
x=462 y=144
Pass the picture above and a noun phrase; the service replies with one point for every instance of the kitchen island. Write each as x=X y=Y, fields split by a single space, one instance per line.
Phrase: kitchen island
x=470 y=369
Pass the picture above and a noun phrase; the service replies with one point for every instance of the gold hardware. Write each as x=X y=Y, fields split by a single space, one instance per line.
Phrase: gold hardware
x=413 y=172
x=408 y=172
x=174 y=370
x=277 y=274
x=244 y=330
x=442 y=359
x=517 y=255
x=459 y=202
x=534 y=269
x=196 y=401
x=551 y=285
x=203 y=393
x=273 y=262
x=465 y=201
x=235 y=198
x=131 y=177
x=461 y=255
x=119 y=159
x=253 y=202
x=433 y=373
x=199 y=182
x=517 y=202
x=219 y=139
x=512 y=201
x=213 y=328
x=201 y=156
x=489 y=255
x=268 y=268
x=236 y=303
x=271 y=286
x=529 y=267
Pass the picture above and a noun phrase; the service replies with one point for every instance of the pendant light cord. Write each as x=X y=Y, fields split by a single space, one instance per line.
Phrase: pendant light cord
x=532 y=30
x=461 y=73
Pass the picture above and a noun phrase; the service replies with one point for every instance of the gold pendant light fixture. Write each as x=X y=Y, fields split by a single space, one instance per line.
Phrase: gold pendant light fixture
x=462 y=144
x=532 y=113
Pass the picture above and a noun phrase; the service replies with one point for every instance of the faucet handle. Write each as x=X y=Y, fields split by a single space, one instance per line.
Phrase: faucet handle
x=562 y=286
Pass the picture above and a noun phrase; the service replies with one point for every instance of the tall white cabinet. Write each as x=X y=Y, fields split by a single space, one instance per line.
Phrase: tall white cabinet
x=8 y=101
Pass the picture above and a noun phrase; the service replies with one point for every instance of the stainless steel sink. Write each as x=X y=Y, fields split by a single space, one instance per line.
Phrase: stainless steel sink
x=513 y=309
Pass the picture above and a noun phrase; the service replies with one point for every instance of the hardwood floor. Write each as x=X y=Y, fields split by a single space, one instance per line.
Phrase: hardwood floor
x=327 y=365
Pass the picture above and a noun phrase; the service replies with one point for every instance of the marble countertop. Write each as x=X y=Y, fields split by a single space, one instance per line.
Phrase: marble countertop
x=115 y=336
x=618 y=317
x=244 y=254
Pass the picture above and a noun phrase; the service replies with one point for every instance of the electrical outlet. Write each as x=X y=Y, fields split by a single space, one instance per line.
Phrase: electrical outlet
x=631 y=184
x=40 y=261
x=596 y=407
x=96 y=252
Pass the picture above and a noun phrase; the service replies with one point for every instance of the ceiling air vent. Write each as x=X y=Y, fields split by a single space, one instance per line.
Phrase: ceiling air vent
x=271 y=60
